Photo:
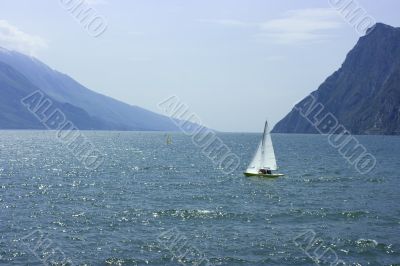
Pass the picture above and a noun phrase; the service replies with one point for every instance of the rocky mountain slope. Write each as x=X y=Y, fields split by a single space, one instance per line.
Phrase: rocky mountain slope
x=364 y=94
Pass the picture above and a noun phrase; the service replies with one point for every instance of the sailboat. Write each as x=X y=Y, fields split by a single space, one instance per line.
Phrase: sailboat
x=263 y=162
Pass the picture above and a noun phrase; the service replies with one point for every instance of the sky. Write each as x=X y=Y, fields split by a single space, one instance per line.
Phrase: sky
x=234 y=63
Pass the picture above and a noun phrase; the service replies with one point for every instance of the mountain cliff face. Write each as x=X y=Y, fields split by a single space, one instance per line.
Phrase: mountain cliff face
x=364 y=94
x=86 y=108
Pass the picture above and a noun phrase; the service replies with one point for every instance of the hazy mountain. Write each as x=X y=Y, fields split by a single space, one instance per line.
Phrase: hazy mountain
x=364 y=94
x=14 y=115
x=104 y=112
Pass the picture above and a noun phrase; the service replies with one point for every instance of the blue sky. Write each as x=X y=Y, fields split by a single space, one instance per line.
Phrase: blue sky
x=234 y=63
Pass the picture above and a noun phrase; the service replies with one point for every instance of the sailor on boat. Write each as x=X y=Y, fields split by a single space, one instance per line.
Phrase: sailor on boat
x=265 y=171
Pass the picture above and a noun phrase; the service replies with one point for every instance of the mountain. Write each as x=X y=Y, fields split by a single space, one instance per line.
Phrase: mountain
x=20 y=74
x=14 y=115
x=364 y=94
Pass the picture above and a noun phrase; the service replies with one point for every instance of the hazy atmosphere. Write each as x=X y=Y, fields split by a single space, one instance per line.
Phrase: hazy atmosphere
x=209 y=132
x=215 y=56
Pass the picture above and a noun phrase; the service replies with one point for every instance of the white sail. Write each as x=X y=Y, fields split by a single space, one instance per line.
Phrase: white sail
x=264 y=158
x=269 y=161
x=255 y=163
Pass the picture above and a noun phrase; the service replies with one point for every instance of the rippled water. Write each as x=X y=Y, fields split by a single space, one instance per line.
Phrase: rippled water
x=146 y=189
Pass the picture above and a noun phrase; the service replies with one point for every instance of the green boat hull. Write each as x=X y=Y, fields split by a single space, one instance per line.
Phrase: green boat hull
x=264 y=175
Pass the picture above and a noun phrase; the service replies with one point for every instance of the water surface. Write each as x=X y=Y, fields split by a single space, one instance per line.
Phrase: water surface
x=116 y=214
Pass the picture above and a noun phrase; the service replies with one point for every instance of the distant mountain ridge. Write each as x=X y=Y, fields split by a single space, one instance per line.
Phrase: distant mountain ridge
x=364 y=94
x=21 y=74
x=14 y=115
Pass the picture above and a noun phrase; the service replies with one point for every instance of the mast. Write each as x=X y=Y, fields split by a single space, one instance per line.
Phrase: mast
x=263 y=144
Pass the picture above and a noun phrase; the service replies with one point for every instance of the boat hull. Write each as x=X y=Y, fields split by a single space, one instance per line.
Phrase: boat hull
x=264 y=175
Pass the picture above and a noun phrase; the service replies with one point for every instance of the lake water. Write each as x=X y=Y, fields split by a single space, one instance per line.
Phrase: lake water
x=151 y=203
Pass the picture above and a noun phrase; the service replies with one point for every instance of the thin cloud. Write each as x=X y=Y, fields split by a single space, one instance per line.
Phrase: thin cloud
x=293 y=26
x=302 y=25
x=13 y=38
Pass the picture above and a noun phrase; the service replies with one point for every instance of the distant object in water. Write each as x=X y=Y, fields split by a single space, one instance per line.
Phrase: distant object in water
x=263 y=162
x=168 y=139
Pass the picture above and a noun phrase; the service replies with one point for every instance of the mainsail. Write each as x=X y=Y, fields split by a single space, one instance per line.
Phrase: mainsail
x=264 y=158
